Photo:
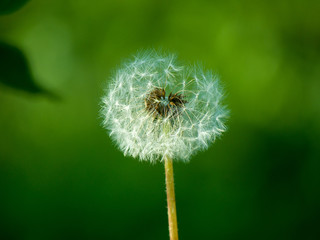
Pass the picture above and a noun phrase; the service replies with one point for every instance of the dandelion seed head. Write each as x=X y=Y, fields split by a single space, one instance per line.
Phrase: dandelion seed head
x=155 y=107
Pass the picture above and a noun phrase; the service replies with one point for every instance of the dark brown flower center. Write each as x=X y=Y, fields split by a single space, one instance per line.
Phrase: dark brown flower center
x=159 y=105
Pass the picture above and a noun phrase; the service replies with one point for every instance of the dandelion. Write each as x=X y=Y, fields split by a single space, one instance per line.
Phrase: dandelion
x=158 y=110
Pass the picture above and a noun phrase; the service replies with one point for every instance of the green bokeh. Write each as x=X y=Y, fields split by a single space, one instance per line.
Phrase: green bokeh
x=62 y=178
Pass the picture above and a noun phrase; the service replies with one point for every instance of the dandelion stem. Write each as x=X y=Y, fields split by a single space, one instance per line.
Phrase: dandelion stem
x=171 y=200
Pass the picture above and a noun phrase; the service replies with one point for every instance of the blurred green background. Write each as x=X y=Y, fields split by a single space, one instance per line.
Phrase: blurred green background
x=61 y=177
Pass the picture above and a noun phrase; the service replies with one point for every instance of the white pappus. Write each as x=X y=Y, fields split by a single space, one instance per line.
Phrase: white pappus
x=155 y=108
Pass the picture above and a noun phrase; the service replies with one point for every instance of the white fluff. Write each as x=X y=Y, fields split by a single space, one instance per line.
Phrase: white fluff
x=135 y=130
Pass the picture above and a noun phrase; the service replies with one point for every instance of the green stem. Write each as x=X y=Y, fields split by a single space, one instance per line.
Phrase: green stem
x=171 y=200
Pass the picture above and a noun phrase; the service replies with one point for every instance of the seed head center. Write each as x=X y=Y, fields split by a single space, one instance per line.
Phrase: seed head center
x=164 y=101
x=162 y=106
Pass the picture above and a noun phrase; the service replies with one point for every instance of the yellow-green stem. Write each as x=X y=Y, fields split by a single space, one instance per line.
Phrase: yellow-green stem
x=171 y=200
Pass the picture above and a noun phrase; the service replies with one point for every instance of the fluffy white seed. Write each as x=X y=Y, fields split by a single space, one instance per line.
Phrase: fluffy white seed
x=143 y=133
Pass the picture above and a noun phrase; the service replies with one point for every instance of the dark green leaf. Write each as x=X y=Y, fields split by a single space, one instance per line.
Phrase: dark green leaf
x=9 y=6
x=14 y=70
